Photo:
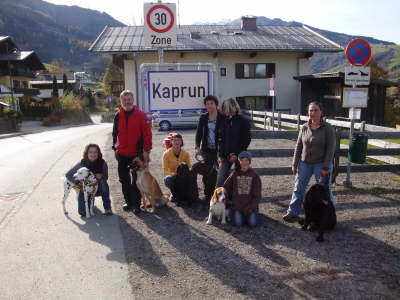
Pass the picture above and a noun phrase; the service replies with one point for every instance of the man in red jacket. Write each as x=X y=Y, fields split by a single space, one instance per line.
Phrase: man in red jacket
x=131 y=137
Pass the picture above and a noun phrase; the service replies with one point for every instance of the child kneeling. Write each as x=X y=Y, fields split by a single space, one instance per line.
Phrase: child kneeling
x=244 y=192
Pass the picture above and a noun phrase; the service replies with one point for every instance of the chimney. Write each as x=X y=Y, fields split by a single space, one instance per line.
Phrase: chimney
x=249 y=23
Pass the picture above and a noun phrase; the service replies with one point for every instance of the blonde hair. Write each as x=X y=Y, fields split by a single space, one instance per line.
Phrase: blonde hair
x=230 y=107
x=126 y=92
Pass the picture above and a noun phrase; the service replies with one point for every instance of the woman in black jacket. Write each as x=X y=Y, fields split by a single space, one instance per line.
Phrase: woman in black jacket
x=93 y=160
x=234 y=138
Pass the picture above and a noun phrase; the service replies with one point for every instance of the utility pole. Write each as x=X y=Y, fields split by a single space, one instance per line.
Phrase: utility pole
x=11 y=82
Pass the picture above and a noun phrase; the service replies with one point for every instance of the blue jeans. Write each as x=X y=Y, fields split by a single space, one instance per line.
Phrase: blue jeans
x=304 y=173
x=102 y=190
x=169 y=182
x=223 y=172
x=238 y=219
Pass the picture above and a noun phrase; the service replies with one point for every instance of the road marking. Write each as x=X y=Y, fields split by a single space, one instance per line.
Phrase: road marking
x=11 y=197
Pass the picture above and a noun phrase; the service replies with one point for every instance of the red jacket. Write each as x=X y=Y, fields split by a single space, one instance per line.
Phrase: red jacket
x=131 y=132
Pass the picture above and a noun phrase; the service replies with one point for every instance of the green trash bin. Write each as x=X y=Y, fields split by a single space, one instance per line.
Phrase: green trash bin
x=358 y=148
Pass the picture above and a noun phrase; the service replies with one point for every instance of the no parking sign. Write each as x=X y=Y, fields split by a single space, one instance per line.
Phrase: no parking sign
x=159 y=25
x=358 y=52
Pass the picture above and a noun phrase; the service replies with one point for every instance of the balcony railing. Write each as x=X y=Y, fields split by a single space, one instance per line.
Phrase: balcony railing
x=27 y=91
x=18 y=72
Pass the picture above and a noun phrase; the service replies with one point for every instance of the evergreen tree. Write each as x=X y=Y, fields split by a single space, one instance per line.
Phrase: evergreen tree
x=65 y=84
x=54 y=93
x=56 y=103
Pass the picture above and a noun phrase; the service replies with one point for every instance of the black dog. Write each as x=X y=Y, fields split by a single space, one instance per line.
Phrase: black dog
x=183 y=191
x=319 y=210
x=209 y=174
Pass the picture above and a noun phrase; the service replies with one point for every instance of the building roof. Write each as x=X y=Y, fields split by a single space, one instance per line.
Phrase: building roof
x=29 y=57
x=70 y=81
x=218 y=38
x=20 y=55
x=8 y=39
x=340 y=75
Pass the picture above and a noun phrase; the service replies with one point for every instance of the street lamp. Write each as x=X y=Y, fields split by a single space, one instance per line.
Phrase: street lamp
x=13 y=105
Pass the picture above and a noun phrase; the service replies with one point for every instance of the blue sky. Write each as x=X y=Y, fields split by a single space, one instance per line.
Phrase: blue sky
x=378 y=19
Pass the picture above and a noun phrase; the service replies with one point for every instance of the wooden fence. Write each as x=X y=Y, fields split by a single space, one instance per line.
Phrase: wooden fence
x=267 y=120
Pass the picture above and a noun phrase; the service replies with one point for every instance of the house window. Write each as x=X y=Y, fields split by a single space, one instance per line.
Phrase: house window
x=222 y=71
x=16 y=83
x=255 y=102
x=254 y=70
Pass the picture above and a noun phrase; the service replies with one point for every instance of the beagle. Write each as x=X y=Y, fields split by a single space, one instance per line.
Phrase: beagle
x=218 y=207
x=148 y=186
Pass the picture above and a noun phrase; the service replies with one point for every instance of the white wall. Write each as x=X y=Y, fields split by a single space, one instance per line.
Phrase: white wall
x=46 y=93
x=130 y=77
x=287 y=65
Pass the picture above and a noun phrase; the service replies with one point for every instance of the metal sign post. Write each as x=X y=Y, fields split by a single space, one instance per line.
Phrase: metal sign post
x=272 y=94
x=358 y=53
x=159 y=29
x=348 y=182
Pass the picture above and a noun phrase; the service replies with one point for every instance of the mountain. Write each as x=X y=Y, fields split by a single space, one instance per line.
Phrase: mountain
x=54 y=32
x=386 y=54
x=64 y=33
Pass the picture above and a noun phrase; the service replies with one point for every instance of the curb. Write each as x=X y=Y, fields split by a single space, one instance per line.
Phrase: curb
x=10 y=135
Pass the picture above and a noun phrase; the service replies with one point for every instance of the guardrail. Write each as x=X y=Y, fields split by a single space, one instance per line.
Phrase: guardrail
x=385 y=133
x=275 y=121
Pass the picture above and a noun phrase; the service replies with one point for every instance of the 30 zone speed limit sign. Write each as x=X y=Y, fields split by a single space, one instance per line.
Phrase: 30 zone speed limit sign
x=159 y=25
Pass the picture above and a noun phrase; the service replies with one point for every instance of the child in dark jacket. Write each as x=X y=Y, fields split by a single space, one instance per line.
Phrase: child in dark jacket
x=93 y=160
x=244 y=192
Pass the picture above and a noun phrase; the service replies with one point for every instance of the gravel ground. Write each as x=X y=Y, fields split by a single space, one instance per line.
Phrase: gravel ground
x=173 y=254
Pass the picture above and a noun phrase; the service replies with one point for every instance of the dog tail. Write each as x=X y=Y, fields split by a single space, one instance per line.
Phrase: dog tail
x=164 y=199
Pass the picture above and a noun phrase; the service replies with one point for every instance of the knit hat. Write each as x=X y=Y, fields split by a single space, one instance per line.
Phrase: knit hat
x=245 y=154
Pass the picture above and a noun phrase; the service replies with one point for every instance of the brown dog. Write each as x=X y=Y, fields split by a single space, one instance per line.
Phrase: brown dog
x=148 y=186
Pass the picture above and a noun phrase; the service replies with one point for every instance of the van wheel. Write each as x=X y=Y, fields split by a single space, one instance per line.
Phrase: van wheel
x=165 y=126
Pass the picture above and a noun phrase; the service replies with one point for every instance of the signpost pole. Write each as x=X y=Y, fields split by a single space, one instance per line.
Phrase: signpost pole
x=348 y=182
x=272 y=93
x=160 y=55
x=358 y=53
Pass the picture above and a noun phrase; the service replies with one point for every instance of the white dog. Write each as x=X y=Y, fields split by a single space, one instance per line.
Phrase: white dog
x=217 y=206
x=87 y=182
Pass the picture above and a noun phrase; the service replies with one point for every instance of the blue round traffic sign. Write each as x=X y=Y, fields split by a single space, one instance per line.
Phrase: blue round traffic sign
x=358 y=52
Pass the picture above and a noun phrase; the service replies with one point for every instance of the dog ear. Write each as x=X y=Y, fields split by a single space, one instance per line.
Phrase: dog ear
x=145 y=164
x=215 y=194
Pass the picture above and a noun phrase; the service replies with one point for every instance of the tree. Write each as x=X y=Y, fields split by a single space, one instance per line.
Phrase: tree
x=55 y=66
x=54 y=93
x=65 y=84
x=377 y=71
x=113 y=73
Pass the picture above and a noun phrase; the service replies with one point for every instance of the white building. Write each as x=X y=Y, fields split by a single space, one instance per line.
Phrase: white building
x=246 y=57
x=46 y=87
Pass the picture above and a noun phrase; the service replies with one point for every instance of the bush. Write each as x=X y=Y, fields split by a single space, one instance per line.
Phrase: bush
x=70 y=102
x=392 y=113
x=52 y=120
x=102 y=108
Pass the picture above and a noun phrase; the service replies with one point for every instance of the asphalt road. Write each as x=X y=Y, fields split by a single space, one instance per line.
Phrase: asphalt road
x=43 y=254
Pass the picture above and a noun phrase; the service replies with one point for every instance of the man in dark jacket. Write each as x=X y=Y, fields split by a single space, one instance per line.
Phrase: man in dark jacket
x=131 y=137
x=207 y=131
x=207 y=136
